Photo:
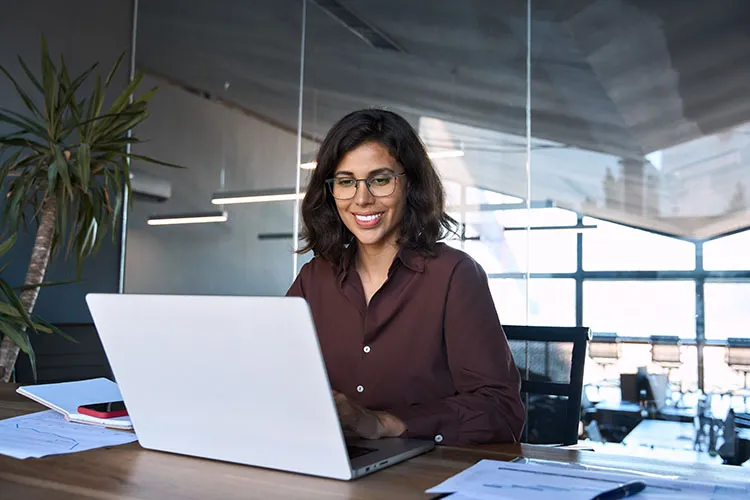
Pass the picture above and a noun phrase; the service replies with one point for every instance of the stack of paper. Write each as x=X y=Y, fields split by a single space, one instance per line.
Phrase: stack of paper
x=66 y=397
x=48 y=433
x=516 y=481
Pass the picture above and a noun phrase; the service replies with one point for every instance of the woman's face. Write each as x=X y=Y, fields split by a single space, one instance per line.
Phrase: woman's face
x=372 y=215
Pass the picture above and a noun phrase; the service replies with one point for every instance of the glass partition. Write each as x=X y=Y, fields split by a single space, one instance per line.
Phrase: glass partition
x=227 y=110
x=457 y=72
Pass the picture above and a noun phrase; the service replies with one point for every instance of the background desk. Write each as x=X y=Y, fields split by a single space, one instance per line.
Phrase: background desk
x=130 y=472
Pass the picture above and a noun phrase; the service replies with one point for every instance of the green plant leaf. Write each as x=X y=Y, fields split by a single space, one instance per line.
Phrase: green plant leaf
x=24 y=96
x=113 y=70
x=122 y=100
x=73 y=87
x=84 y=166
x=55 y=329
x=152 y=160
x=13 y=300
x=63 y=170
x=23 y=142
x=30 y=75
x=9 y=310
x=20 y=337
x=6 y=245
x=21 y=288
x=8 y=164
x=25 y=125
x=49 y=83
x=148 y=95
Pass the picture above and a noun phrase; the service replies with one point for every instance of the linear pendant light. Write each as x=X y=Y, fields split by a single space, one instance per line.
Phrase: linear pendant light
x=187 y=218
x=260 y=196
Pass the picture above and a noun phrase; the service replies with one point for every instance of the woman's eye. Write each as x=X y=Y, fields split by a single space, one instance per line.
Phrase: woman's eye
x=381 y=181
x=345 y=182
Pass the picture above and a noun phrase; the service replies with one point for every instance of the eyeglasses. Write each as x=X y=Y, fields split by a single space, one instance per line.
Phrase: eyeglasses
x=380 y=185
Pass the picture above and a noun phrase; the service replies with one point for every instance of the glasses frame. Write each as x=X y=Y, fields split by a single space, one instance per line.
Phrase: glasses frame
x=367 y=181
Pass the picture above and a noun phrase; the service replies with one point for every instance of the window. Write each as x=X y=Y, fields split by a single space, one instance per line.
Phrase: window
x=728 y=253
x=640 y=308
x=501 y=251
x=726 y=310
x=613 y=247
x=552 y=302
x=477 y=196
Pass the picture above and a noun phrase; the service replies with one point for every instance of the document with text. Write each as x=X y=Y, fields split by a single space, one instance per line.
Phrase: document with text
x=48 y=433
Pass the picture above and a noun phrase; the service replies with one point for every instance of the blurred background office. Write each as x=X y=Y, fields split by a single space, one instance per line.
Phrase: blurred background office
x=596 y=152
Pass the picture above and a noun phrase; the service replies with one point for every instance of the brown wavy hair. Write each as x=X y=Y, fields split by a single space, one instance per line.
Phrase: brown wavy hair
x=425 y=221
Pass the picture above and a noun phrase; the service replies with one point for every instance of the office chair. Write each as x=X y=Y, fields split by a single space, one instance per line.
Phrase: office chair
x=666 y=352
x=604 y=350
x=738 y=358
x=552 y=391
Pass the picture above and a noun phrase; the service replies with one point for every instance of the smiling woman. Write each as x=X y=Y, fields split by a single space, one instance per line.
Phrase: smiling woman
x=407 y=326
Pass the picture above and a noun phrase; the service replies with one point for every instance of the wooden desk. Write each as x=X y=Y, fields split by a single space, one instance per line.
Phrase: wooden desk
x=130 y=472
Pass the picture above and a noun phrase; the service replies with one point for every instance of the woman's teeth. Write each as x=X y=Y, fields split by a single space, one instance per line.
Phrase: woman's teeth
x=368 y=218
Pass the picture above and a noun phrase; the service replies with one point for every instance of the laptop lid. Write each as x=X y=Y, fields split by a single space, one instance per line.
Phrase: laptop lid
x=239 y=379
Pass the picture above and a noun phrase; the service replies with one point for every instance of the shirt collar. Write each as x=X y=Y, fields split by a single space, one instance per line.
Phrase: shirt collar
x=411 y=259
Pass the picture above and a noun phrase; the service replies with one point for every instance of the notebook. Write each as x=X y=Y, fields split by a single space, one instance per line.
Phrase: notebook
x=66 y=397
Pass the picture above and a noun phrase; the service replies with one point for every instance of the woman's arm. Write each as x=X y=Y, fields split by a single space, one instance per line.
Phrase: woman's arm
x=487 y=407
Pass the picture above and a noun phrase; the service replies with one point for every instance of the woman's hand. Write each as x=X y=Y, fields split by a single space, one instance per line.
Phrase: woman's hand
x=366 y=423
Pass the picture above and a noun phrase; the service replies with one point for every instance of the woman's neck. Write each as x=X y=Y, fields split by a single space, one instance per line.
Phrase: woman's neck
x=373 y=261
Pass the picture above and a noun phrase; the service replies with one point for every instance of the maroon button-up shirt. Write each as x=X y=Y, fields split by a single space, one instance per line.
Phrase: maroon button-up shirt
x=429 y=348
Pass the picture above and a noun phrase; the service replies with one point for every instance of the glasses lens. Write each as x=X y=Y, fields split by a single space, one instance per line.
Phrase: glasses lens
x=382 y=185
x=344 y=188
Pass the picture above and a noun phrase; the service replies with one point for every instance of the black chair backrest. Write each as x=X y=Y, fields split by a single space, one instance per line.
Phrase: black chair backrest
x=554 y=358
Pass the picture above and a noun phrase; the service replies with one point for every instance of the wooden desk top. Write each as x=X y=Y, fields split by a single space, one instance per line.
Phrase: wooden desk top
x=130 y=472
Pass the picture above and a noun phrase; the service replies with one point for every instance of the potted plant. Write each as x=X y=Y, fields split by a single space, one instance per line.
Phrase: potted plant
x=67 y=163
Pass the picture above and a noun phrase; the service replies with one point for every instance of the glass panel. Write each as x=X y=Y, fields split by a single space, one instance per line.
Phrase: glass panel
x=614 y=247
x=477 y=196
x=551 y=301
x=443 y=70
x=227 y=110
x=640 y=308
x=726 y=310
x=508 y=251
x=728 y=252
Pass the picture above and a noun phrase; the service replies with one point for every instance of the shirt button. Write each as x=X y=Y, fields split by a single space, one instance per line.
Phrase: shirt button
x=360 y=388
x=366 y=349
x=439 y=438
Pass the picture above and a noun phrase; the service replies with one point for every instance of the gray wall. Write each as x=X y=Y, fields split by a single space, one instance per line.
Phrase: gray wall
x=225 y=258
x=85 y=31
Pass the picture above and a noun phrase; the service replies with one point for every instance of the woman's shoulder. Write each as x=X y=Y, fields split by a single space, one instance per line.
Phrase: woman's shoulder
x=317 y=267
x=450 y=261
x=447 y=255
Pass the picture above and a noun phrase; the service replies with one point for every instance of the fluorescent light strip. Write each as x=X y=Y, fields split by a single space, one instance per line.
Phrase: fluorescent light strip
x=172 y=220
x=450 y=153
x=233 y=199
x=564 y=229
x=434 y=155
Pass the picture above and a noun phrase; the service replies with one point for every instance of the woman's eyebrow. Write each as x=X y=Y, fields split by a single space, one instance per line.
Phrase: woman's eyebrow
x=377 y=171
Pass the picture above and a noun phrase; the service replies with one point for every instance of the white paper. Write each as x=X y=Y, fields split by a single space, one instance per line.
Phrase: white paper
x=66 y=397
x=513 y=481
x=48 y=433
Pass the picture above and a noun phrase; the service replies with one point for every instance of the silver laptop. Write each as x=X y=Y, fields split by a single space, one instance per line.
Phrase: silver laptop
x=238 y=379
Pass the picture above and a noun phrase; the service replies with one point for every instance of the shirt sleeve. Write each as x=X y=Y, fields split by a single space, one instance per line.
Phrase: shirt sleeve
x=487 y=406
x=297 y=290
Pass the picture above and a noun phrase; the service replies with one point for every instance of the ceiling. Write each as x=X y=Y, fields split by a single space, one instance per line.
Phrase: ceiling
x=610 y=80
